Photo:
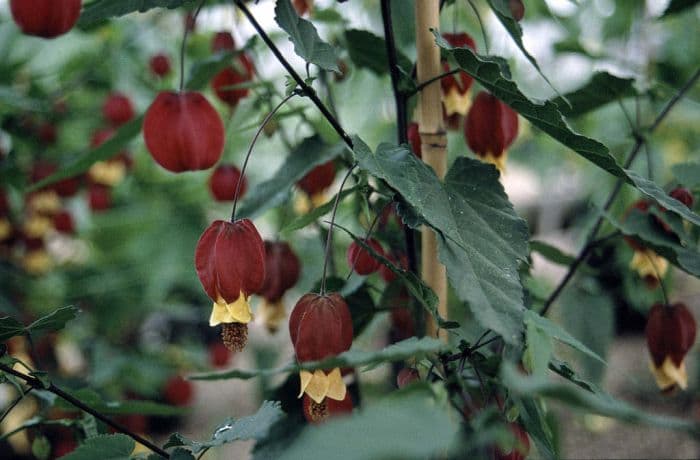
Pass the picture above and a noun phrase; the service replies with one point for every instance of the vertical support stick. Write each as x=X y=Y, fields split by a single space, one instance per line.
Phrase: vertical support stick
x=434 y=142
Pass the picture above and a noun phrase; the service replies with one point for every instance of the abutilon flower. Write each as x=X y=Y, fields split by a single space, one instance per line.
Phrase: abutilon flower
x=282 y=270
x=99 y=197
x=320 y=326
x=224 y=181
x=361 y=260
x=683 y=195
x=242 y=71
x=317 y=413
x=223 y=41
x=517 y=9
x=160 y=65
x=108 y=172
x=314 y=184
x=670 y=333
x=230 y=264
x=302 y=6
x=63 y=222
x=117 y=109
x=455 y=87
x=45 y=18
x=490 y=128
x=650 y=266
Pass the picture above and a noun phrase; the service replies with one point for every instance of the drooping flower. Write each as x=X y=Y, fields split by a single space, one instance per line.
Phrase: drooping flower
x=670 y=333
x=282 y=270
x=230 y=264
x=45 y=18
x=117 y=109
x=224 y=181
x=490 y=128
x=455 y=87
x=361 y=260
x=650 y=266
x=315 y=183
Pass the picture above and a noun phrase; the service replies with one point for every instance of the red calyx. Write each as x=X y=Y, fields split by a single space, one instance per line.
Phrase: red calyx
x=195 y=137
x=491 y=126
x=223 y=41
x=670 y=332
x=219 y=355
x=414 y=139
x=320 y=326
x=117 y=109
x=521 y=450
x=361 y=260
x=231 y=76
x=282 y=270
x=223 y=183
x=230 y=259
x=160 y=64
x=517 y=9
x=45 y=18
x=63 y=222
x=683 y=195
x=318 y=179
x=99 y=197
x=318 y=413
x=178 y=391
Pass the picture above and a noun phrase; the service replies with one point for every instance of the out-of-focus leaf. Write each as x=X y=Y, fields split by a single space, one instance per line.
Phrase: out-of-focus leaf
x=551 y=253
x=255 y=426
x=10 y=327
x=399 y=351
x=104 y=447
x=41 y=448
x=103 y=152
x=600 y=90
x=307 y=155
x=307 y=44
x=369 y=51
x=178 y=454
x=94 y=400
x=538 y=348
x=414 y=426
x=678 y=6
x=203 y=71
x=482 y=239
x=653 y=191
x=105 y=9
x=555 y=331
x=313 y=215
x=533 y=418
x=688 y=174
x=594 y=402
x=54 y=321
x=11 y=99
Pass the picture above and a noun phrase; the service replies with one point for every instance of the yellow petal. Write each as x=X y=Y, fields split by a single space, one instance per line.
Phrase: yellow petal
x=317 y=386
x=272 y=314
x=234 y=312
x=456 y=102
x=302 y=204
x=46 y=202
x=305 y=377
x=498 y=161
x=318 y=199
x=108 y=173
x=37 y=226
x=649 y=263
x=336 y=386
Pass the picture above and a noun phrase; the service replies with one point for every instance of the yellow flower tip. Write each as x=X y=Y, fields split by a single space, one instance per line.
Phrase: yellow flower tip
x=498 y=161
x=456 y=102
x=272 y=314
x=46 y=202
x=108 y=173
x=320 y=385
x=302 y=204
x=649 y=264
x=668 y=375
x=318 y=199
x=37 y=262
x=5 y=229
x=237 y=311
x=37 y=226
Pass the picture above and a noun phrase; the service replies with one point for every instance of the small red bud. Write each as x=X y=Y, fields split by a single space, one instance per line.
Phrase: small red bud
x=282 y=270
x=223 y=41
x=178 y=391
x=223 y=183
x=45 y=18
x=117 y=109
x=683 y=195
x=219 y=354
x=223 y=81
x=302 y=6
x=160 y=65
x=361 y=260
x=99 y=197
x=63 y=222
x=318 y=179
x=517 y=9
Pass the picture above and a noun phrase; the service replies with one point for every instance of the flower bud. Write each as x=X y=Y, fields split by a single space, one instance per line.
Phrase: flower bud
x=320 y=326
x=517 y=9
x=224 y=81
x=63 y=222
x=282 y=270
x=223 y=41
x=318 y=179
x=223 y=183
x=117 y=109
x=491 y=127
x=670 y=333
x=99 y=198
x=361 y=260
x=160 y=65
x=178 y=391
x=683 y=195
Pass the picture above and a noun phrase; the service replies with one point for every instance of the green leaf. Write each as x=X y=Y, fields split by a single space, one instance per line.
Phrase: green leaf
x=414 y=426
x=54 y=321
x=204 y=70
x=94 y=400
x=10 y=327
x=399 y=351
x=653 y=191
x=255 y=426
x=483 y=239
x=104 y=447
x=41 y=448
x=555 y=331
x=104 y=9
x=368 y=51
x=688 y=174
x=551 y=253
x=502 y=12
x=538 y=348
x=103 y=152
x=643 y=227
x=534 y=420
x=316 y=213
x=678 y=6
x=307 y=155
x=307 y=44
x=600 y=90
x=179 y=454
x=594 y=402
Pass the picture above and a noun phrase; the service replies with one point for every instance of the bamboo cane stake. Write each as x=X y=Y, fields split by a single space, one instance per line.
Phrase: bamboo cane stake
x=433 y=143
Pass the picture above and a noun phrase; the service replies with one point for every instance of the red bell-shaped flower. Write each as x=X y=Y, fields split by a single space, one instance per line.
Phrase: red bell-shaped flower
x=183 y=132
x=117 y=109
x=63 y=222
x=491 y=126
x=329 y=408
x=224 y=81
x=223 y=183
x=230 y=263
x=160 y=65
x=320 y=326
x=670 y=334
x=683 y=195
x=45 y=18
x=522 y=447
x=414 y=139
x=99 y=197
x=316 y=181
x=455 y=87
x=178 y=391
x=223 y=41
x=282 y=270
x=361 y=260
x=517 y=9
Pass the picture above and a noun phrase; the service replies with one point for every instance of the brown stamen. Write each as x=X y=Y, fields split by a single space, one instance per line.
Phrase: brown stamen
x=234 y=336
x=319 y=411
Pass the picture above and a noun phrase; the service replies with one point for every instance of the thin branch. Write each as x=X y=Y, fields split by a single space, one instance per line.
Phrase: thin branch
x=36 y=383
x=306 y=89
x=639 y=142
x=420 y=87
